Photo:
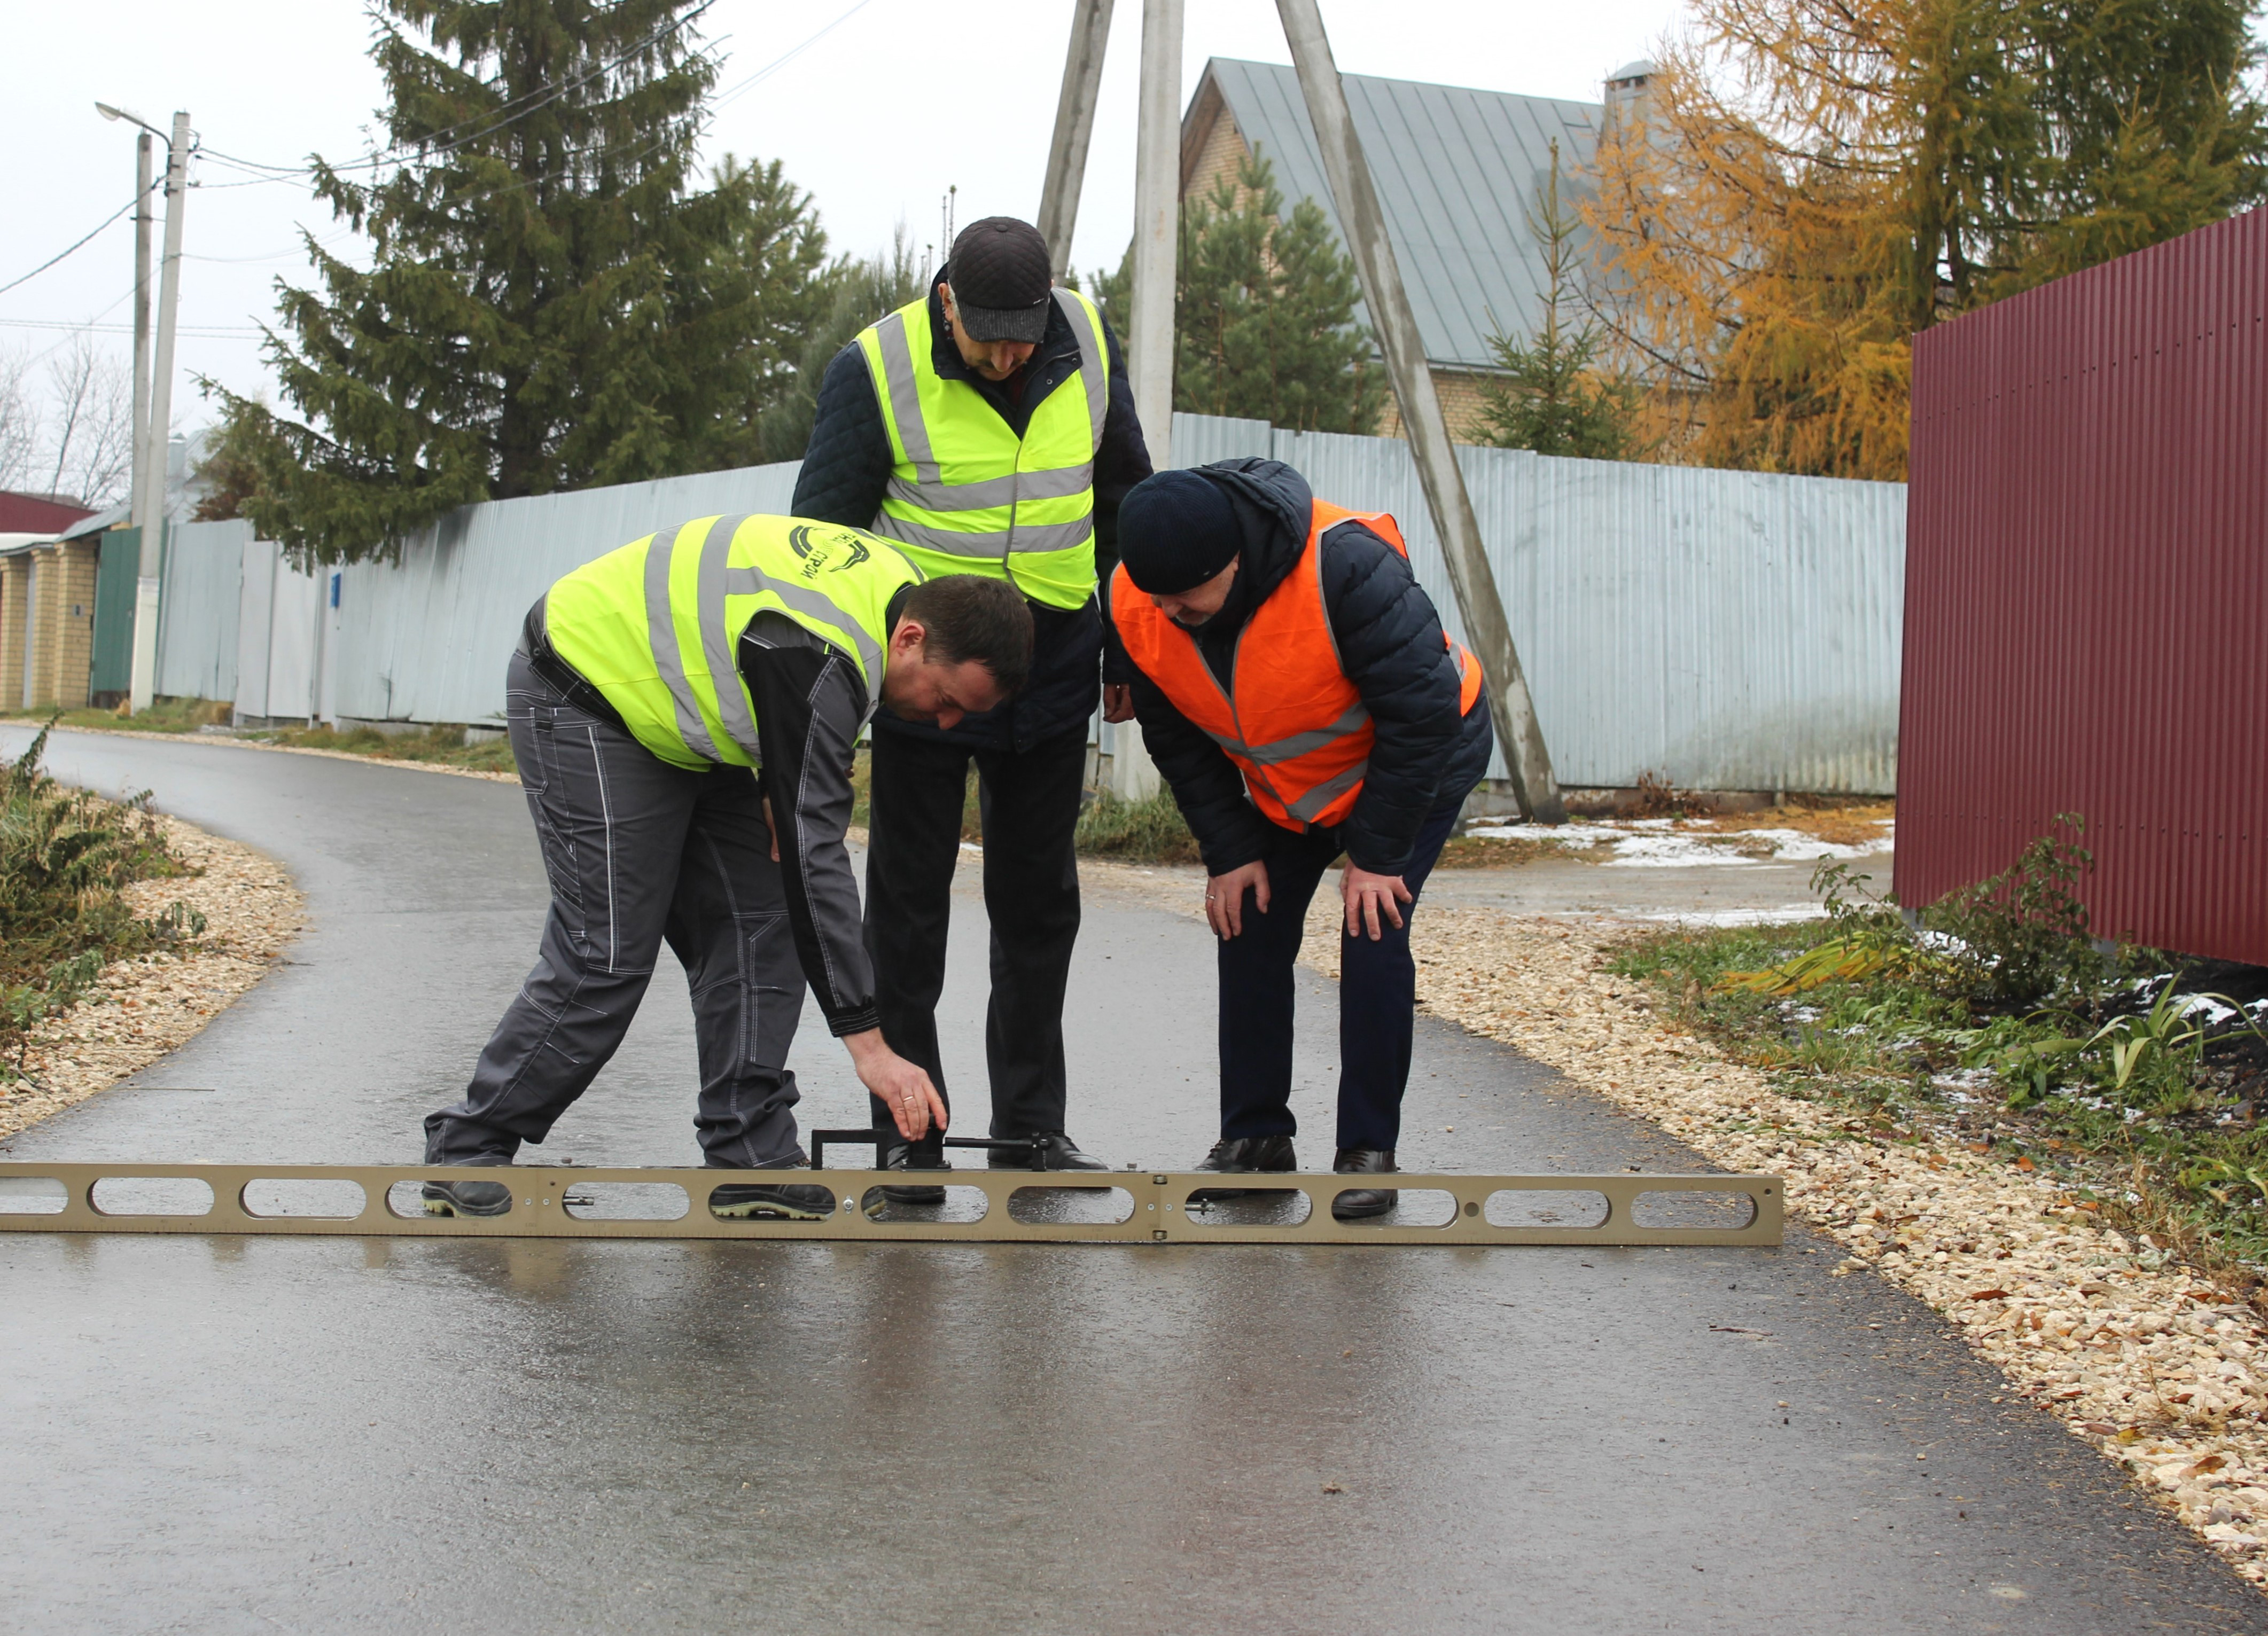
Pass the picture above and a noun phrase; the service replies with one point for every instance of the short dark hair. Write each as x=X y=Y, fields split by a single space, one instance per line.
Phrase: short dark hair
x=970 y=617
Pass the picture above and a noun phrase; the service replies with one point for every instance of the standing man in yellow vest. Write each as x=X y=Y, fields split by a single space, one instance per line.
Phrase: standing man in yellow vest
x=1296 y=688
x=683 y=711
x=989 y=430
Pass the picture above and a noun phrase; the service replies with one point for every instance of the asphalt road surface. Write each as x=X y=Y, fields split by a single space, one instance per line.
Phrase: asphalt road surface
x=219 y=1435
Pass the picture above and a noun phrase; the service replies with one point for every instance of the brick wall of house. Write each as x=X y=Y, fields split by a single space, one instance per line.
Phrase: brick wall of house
x=1463 y=405
x=74 y=652
x=15 y=581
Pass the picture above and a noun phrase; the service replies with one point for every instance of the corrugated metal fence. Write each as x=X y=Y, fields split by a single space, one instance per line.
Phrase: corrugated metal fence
x=1722 y=630
x=2088 y=590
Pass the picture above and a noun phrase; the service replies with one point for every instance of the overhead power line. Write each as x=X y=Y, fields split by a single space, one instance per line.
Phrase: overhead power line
x=80 y=244
x=436 y=145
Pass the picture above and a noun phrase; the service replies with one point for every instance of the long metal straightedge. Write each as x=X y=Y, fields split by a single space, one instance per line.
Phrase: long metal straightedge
x=1119 y=1207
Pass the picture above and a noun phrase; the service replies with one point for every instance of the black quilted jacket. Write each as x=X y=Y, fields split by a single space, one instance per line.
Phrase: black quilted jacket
x=1390 y=642
x=847 y=466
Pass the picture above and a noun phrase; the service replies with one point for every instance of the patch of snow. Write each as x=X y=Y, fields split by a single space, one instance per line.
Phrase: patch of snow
x=1671 y=852
x=2213 y=1010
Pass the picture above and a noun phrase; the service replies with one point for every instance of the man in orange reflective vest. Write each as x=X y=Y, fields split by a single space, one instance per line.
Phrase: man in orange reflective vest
x=1297 y=690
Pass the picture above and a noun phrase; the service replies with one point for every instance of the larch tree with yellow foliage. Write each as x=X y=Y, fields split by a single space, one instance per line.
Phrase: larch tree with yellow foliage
x=1803 y=183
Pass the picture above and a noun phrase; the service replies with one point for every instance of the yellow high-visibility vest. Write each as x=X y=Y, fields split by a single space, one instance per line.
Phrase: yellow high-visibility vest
x=656 y=626
x=967 y=495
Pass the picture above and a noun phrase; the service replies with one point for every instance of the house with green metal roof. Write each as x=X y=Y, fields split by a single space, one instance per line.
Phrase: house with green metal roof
x=1458 y=173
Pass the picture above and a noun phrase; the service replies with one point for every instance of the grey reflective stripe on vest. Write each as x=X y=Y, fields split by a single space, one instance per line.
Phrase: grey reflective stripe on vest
x=905 y=395
x=987 y=493
x=661 y=636
x=1329 y=790
x=953 y=542
x=748 y=582
x=1296 y=745
x=1092 y=360
x=717 y=644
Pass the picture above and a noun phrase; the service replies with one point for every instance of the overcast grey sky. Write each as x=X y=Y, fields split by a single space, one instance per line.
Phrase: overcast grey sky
x=899 y=101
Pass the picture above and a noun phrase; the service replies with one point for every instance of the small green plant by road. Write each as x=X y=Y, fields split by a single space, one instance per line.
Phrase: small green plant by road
x=1996 y=1013
x=65 y=859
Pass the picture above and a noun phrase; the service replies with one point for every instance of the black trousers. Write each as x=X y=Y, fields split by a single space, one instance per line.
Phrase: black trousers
x=1030 y=805
x=1378 y=997
x=639 y=853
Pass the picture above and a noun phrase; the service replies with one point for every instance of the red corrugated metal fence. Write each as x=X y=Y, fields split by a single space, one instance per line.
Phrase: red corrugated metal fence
x=2086 y=591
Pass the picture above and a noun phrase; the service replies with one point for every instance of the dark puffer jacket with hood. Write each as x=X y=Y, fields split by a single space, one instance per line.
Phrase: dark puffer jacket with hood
x=1390 y=642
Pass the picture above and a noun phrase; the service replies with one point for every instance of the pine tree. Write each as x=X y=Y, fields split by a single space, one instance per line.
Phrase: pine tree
x=1556 y=397
x=1813 y=180
x=853 y=293
x=1265 y=313
x=550 y=304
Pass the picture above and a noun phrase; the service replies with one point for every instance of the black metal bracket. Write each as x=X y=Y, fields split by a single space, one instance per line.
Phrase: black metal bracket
x=1035 y=1147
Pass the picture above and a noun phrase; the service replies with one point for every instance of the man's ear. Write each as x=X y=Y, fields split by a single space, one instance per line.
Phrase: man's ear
x=909 y=635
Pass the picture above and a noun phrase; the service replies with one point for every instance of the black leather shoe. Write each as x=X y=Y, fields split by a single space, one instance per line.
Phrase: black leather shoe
x=467 y=1198
x=1358 y=1202
x=1245 y=1154
x=1063 y=1154
x=898 y=1155
x=768 y=1201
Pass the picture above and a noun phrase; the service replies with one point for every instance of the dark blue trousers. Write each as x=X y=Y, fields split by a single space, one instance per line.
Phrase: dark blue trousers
x=1378 y=996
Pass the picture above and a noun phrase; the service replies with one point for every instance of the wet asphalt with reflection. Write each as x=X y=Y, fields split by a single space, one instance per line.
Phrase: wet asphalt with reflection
x=238 y=1435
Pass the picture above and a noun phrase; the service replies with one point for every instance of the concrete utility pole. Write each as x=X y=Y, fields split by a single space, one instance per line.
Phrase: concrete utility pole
x=151 y=503
x=1364 y=224
x=1090 y=33
x=1150 y=342
x=141 y=220
x=1157 y=225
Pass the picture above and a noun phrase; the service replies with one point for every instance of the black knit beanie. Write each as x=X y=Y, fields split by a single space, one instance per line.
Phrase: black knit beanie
x=1176 y=530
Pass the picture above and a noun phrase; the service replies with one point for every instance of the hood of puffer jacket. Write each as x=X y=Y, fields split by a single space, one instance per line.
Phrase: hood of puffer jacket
x=1274 y=508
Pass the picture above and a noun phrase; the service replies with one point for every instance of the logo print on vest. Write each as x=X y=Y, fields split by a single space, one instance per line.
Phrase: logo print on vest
x=800 y=539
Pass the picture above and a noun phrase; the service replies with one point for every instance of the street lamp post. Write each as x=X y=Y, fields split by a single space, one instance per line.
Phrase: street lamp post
x=149 y=503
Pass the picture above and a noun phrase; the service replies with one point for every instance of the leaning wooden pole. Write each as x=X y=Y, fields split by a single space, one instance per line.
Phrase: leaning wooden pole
x=1082 y=81
x=1486 y=627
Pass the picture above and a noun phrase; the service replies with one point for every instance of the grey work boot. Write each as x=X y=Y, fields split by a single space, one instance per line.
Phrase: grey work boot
x=469 y=1199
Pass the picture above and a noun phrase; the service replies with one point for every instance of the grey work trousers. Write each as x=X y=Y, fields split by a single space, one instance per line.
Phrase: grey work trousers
x=639 y=853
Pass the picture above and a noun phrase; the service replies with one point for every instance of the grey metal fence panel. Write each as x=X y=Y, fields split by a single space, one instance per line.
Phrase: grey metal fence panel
x=197 y=609
x=1720 y=629
x=1725 y=630
x=426 y=639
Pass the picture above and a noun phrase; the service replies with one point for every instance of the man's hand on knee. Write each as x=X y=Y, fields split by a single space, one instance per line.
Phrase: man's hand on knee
x=1369 y=897
x=904 y=1087
x=1225 y=898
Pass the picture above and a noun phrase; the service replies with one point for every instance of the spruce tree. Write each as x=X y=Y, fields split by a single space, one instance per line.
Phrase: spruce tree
x=1555 y=396
x=1265 y=313
x=550 y=304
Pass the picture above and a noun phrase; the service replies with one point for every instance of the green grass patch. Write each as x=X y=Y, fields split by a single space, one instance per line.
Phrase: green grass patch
x=438 y=746
x=66 y=857
x=1150 y=831
x=1995 y=1015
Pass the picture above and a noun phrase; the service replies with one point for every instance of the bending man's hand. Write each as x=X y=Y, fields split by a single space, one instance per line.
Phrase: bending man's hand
x=1369 y=897
x=1225 y=898
x=904 y=1087
x=1117 y=702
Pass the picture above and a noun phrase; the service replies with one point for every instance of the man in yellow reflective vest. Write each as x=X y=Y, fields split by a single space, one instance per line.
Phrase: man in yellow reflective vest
x=683 y=711
x=987 y=428
x=1298 y=692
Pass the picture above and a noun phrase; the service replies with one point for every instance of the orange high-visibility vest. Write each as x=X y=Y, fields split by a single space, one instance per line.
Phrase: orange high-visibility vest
x=1296 y=726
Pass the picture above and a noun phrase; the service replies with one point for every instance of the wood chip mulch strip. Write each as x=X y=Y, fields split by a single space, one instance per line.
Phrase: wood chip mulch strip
x=2137 y=1354
x=146 y=1007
